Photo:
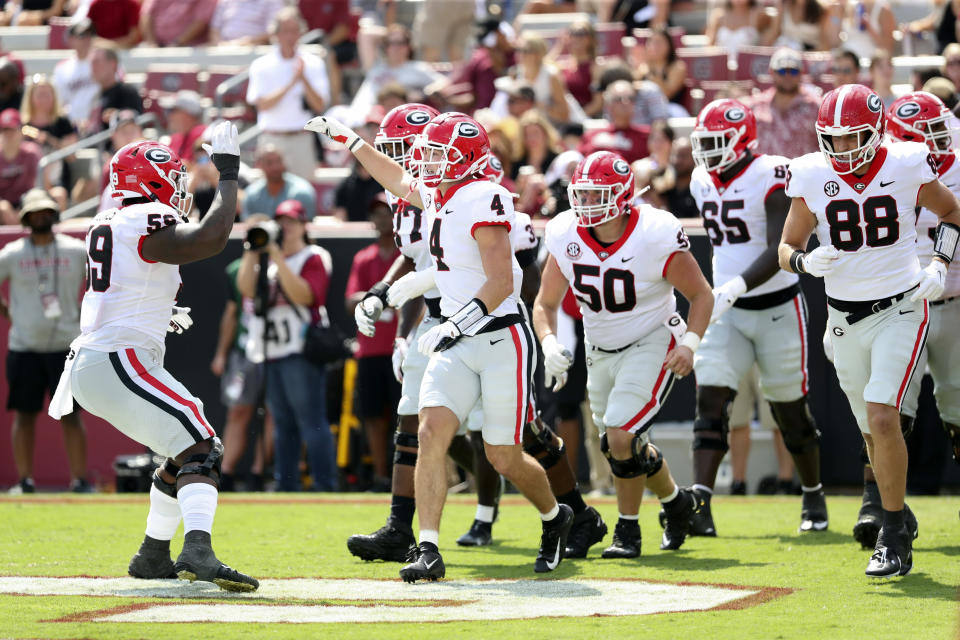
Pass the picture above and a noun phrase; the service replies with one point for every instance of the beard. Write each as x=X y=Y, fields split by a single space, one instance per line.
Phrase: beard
x=43 y=227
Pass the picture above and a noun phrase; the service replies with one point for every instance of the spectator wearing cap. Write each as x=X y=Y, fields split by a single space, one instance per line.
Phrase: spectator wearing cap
x=11 y=85
x=185 y=121
x=377 y=390
x=472 y=85
x=520 y=98
x=46 y=273
x=276 y=186
x=175 y=23
x=73 y=77
x=395 y=66
x=297 y=279
x=243 y=22
x=620 y=135
x=19 y=160
x=288 y=86
x=786 y=112
x=117 y=21
x=115 y=95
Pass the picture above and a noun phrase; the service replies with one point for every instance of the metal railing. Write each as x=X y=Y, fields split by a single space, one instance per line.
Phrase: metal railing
x=97 y=139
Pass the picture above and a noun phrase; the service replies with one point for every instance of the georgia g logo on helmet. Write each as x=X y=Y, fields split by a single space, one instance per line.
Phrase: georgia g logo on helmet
x=621 y=167
x=874 y=103
x=418 y=118
x=908 y=110
x=734 y=114
x=157 y=155
x=468 y=130
x=495 y=163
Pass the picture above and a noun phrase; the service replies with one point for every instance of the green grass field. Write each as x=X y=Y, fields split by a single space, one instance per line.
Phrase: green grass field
x=821 y=589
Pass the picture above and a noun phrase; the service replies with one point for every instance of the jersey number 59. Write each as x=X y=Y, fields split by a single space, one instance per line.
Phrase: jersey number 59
x=99 y=258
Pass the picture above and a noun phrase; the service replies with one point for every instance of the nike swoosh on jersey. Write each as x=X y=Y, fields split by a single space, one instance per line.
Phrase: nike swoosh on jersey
x=887 y=184
x=447 y=212
x=493 y=342
x=626 y=259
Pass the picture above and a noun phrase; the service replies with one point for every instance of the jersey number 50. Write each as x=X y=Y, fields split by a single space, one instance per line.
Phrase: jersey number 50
x=590 y=295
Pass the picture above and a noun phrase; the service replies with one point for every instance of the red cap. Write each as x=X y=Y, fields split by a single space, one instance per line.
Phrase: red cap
x=292 y=208
x=10 y=119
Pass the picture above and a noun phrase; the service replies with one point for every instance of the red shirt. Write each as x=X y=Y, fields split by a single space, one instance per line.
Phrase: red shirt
x=479 y=73
x=113 y=19
x=631 y=143
x=317 y=277
x=182 y=143
x=327 y=14
x=17 y=176
x=368 y=269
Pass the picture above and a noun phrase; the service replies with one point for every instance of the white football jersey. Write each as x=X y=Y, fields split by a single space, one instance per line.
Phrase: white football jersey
x=621 y=289
x=129 y=299
x=452 y=219
x=410 y=235
x=927 y=222
x=871 y=219
x=736 y=220
x=522 y=235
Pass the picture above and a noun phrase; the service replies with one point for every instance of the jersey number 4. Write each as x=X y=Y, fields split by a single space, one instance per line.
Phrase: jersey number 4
x=99 y=258
x=589 y=295
x=435 y=249
x=733 y=229
x=880 y=228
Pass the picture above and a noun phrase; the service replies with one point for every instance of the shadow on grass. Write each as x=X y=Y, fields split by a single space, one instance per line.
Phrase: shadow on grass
x=819 y=538
x=567 y=569
x=945 y=550
x=680 y=560
x=915 y=585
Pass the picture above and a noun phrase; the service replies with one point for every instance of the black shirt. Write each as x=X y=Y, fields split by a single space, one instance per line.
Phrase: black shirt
x=59 y=128
x=13 y=102
x=680 y=203
x=355 y=195
x=120 y=96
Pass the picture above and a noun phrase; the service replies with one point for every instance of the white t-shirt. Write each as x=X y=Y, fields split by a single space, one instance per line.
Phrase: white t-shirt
x=736 y=220
x=272 y=72
x=870 y=219
x=621 y=289
x=74 y=83
x=927 y=222
x=452 y=220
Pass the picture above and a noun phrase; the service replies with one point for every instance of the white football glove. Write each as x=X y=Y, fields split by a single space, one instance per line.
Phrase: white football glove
x=180 y=320
x=366 y=313
x=411 y=286
x=439 y=338
x=931 y=281
x=223 y=140
x=725 y=295
x=556 y=360
x=820 y=261
x=335 y=130
x=400 y=348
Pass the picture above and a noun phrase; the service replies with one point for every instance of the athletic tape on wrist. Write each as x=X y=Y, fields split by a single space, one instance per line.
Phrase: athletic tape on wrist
x=690 y=340
x=796 y=261
x=945 y=243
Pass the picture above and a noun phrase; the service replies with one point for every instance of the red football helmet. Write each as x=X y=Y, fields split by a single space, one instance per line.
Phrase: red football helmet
x=847 y=110
x=493 y=169
x=148 y=169
x=601 y=188
x=452 y=147
x=724 y=131
x=399 y=129
x=922 y=117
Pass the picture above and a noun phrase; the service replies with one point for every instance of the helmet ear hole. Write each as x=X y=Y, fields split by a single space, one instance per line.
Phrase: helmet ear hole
x=154 y=184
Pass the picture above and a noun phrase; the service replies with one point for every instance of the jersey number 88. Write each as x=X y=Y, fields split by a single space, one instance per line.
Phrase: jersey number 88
x=881 y=226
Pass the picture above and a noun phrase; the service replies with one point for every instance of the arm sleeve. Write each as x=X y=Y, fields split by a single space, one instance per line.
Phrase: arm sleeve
x=316 y=276
x=492 y=206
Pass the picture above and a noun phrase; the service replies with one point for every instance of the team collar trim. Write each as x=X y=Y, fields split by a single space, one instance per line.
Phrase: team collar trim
x=875 y=164
x=723 y=185
x=601 y=251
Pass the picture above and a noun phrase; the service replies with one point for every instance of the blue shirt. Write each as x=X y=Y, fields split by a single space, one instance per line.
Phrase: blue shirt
x=259 y=200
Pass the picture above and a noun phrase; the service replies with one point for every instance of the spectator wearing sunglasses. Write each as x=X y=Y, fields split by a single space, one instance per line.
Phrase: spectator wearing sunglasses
x=787 y=111
x=846 y=68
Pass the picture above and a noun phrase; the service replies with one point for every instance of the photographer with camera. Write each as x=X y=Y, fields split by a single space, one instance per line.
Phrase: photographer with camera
x=287 y=277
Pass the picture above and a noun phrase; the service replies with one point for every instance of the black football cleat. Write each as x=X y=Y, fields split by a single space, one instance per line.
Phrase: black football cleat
x=813 y=514
x=553 y=541
x=425 y=564
x=152 y=561
x=626 y=541
x=389 y=543
x=588 y=529
x=479 y=535
x=869 y=518
x=678 y=520
x=893 y=555
x=910 y=520
x=738 y=488
x=701 y=524
x=198 y=562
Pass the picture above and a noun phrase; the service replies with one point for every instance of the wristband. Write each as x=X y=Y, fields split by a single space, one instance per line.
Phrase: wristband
x=690 y=340
x=228 y=165
x=378 y=290
x=796 y=261
x=471 y=318
x=355 y=144
x=945 y=242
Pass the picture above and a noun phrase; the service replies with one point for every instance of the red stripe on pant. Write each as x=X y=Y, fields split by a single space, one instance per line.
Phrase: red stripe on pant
x=656 y=392
x=520 y=395
x=917 y=345
x=164 y=389
x=802 y=327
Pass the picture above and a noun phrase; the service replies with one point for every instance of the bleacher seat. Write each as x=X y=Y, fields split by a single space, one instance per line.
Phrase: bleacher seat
x=170 y=78
x=610 y=38
x=676 y=34
x=57 y=37
x=706 y=64
x=753 y=63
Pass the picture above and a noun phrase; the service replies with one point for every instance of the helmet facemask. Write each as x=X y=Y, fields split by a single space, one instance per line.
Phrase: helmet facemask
x=181 y=200
x=844 y=162
x=594 y=204
x=715 y=150
x=937 y=133
x=397 y=149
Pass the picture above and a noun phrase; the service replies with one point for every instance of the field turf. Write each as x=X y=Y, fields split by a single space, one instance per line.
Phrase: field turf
x=815 y=585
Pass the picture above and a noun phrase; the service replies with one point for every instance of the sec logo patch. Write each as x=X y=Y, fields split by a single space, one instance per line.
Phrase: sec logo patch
x=831 y=188
x=573 y=251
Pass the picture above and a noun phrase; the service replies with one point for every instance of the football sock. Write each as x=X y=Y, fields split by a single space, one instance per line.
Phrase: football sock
x=484 y=513
x=574 y=500
x=402 y=509
x=893 y=519
x=430 y=535
x=198 y=504
x=629 y=521
x=671 y=497
x=164 y=516
x=812 y=489
x=553 y=513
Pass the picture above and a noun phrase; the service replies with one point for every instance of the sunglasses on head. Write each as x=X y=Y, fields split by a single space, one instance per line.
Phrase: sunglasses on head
x=788 y=72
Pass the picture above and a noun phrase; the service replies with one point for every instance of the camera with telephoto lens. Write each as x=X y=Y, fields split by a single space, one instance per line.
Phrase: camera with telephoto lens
x=262 y=234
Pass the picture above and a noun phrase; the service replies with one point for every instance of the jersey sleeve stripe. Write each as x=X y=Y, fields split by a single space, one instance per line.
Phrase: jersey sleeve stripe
x=140 y=250
x=489 y=223
x=667 y=262
x=779 y=185
x=165 y=390
x=917 y=348
x=657 y=396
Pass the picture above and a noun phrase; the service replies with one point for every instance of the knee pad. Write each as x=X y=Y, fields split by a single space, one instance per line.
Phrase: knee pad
x=205 y=464
x=799 y=432
x=638 y=464
x=402 y=439
x=543 y=444
x=717 y=426
x=906 y=425
x=169 y=489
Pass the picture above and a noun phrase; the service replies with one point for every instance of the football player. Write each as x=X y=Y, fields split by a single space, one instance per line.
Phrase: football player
x=623 y=263
x=483 y=350
x=115 y=368
x=859 y=195
x=759 y=313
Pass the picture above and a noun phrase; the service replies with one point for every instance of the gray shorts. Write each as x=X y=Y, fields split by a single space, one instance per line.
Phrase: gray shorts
x=242 y=382
x=130 y=390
